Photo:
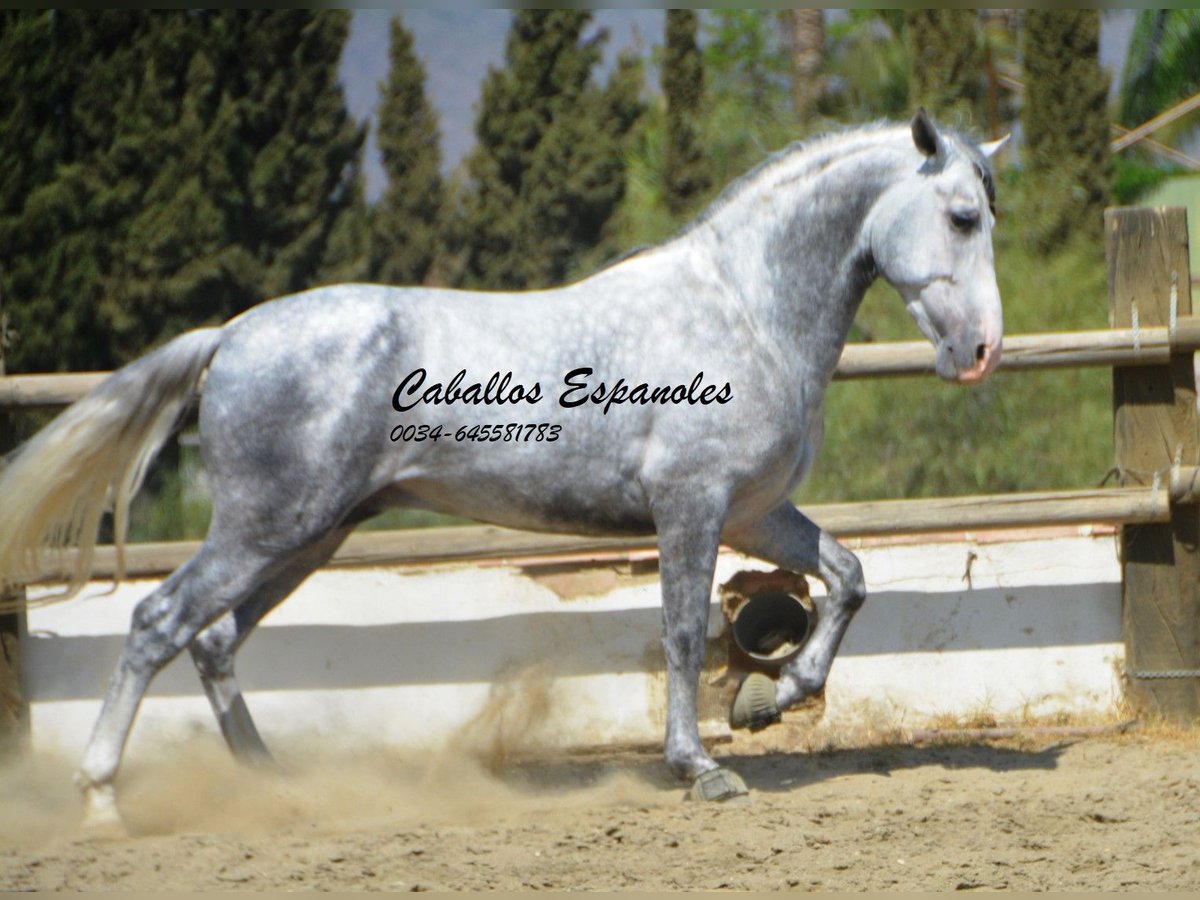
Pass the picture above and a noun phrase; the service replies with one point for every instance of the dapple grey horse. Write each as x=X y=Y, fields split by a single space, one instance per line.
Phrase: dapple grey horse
x=678 y=392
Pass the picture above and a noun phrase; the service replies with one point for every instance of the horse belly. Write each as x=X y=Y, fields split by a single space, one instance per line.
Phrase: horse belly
x=536 y=504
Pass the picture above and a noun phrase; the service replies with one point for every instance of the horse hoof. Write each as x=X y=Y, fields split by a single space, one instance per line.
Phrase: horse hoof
x=719 y=786
x=101 y=818
x=754 y=706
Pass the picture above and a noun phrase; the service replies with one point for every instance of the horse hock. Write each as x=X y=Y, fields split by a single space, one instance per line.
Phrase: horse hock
x=770 y=616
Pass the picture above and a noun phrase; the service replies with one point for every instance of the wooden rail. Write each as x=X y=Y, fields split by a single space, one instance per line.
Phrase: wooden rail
x=1101 y=347
x=487 y=543
x=46 y=390
x=1149 y=127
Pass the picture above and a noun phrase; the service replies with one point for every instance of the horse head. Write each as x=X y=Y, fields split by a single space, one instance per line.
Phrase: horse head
x=931 y=239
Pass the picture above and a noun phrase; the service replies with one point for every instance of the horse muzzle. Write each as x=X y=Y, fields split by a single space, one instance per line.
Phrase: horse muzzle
x=966 y=347
x=967 y=362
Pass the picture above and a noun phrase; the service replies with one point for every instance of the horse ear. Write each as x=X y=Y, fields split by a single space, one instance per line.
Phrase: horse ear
x=924 y=133
x=991 y=148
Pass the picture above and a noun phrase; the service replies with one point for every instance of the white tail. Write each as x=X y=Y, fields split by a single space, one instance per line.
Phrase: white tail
x=94 y=456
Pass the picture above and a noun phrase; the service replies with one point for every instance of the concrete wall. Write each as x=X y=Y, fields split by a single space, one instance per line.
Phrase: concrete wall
x=569 y=654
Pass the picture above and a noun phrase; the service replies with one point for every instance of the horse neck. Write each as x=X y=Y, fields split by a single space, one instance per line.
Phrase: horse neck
x=804 y=278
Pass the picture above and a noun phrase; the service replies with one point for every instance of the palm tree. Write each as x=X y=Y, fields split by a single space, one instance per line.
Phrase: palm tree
x=1162 y=69
x=806 y=33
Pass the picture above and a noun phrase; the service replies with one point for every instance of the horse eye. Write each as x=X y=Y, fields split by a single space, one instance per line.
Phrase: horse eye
x=964 y=220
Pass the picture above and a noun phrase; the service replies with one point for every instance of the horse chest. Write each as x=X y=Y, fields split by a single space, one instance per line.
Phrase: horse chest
x=771 y=466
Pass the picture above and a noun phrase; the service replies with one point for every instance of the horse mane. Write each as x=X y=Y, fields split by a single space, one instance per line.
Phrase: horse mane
x=732 y=190
x=790 y=154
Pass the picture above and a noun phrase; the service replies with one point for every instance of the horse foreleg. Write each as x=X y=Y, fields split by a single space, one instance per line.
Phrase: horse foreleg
x=688 y=554
x=792 y=541
x=214 y=648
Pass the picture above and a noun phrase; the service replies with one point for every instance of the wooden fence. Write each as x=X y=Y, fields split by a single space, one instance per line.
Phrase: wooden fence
x=1150 y=346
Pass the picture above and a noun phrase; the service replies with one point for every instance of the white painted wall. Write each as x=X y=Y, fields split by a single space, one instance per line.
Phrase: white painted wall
x=413 y=657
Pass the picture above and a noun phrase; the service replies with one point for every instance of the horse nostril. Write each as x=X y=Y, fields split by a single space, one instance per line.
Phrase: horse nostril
x=981 y=353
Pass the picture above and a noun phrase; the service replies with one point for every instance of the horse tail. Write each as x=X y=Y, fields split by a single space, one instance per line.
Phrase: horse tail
x=94 y=456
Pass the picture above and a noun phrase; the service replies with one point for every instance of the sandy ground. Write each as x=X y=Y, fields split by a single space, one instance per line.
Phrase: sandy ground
x=1101 y=813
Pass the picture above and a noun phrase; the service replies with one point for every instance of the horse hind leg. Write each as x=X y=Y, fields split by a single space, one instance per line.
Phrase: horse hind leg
x=214 y=648
x=207 y=586
x=212 y=652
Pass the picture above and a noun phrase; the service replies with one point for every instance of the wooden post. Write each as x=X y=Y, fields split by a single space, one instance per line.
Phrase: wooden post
x=14 y=710
x=1155 y=428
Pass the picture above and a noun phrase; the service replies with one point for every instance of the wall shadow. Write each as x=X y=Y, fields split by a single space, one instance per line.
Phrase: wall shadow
x=786 y=772
x=331 y=657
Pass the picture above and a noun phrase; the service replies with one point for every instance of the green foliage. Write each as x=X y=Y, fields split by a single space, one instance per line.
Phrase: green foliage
x=730 y=139
x=920 y=437
x=1019 y=431
x=405 y=222
x=548 y=168
x=748 y=106
x=687 y=173
x=747 y=58
x=1133 y=178
x=195 y=163
x=625 y=110
x=57 y=206
x=869 y=68
x=1163 y=66
x=733 y=146
x=947 y=63
x=1066 y=123
x=173 y=505
x=643 y=216
x=261 y=170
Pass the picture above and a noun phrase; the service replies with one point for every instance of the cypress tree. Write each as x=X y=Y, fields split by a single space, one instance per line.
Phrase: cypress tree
x=619 y=111
x=304 y=170
x=748 y=57
x=1069 y=168
x=32 y=91
x=688 y=172
x=947 y=63
x=548 y=169
x=173 y=168
x=260 y=175
x=161 y=280
x=1163 y=66
x=404 y=229
x=69 y=81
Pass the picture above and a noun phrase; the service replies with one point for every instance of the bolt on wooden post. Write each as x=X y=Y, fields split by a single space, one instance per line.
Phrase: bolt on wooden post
x=1154 y=429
